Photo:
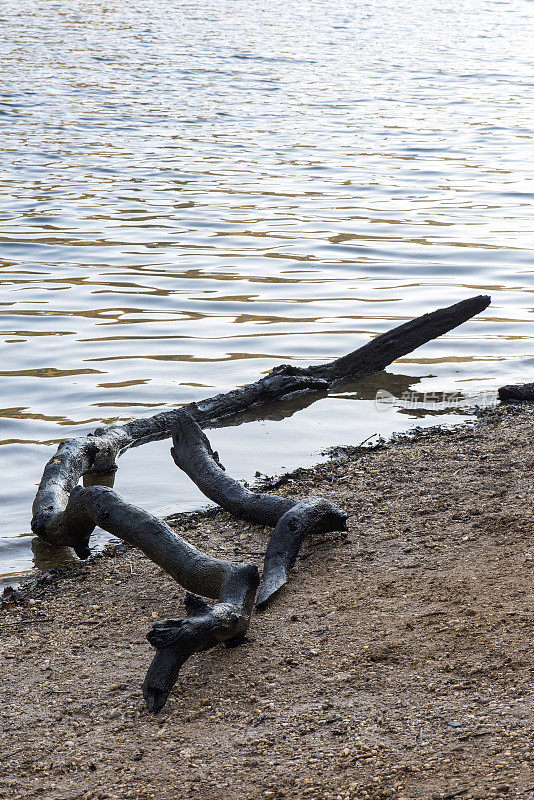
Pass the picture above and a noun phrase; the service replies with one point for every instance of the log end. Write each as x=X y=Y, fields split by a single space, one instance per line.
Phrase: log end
x=270 y=587
x=55 y=529
x=40 y=523
x=160 y=679
x=521 y=393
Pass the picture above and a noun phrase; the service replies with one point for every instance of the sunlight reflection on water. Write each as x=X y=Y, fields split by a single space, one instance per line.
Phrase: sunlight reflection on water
x=193 y=194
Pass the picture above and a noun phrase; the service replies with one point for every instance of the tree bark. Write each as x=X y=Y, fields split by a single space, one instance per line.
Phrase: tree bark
x=99 y=450
x=192 y=569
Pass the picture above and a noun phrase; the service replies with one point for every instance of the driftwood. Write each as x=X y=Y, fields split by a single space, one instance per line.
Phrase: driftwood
x=66 y=514
x=522 y=392
x=98 y=451
x=192 y=569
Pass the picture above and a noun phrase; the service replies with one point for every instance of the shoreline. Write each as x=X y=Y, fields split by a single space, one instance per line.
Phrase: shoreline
x=25 y=584
x=394 y=664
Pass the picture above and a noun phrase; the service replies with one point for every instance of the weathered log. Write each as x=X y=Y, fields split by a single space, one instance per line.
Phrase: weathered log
x=98 y=451
x=522 y=392
x=65 y=513
x=294 y=520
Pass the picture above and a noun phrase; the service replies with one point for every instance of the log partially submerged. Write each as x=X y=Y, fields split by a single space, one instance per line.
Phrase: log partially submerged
x=97 y=452
x=66 y=514
x=521 y=392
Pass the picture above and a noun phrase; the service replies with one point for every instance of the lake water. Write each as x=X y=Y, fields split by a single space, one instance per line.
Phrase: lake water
x=194 y=192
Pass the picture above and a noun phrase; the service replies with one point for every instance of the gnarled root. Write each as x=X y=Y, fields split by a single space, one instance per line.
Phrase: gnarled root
x=193 y=454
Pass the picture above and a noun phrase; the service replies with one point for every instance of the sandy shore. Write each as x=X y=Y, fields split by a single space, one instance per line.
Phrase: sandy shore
x=396 y=664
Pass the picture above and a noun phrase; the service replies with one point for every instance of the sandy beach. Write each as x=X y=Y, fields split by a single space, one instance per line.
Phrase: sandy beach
x=397 y=662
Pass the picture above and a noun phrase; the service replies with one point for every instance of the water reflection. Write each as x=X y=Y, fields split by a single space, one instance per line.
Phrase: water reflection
x=192 y=194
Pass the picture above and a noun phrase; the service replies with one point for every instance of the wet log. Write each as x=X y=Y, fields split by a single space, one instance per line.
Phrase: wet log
x=294 y=519
x=65 y=513
x=522 y=392
x=99 y=450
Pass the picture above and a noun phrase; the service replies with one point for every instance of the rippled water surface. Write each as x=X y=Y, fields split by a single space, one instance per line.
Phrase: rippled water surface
x=194 y=192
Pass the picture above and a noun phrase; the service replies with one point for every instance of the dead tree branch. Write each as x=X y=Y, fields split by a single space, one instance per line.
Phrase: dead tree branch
x=98 y=451
x=66 y=514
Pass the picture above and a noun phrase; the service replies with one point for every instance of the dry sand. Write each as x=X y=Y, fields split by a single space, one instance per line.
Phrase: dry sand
x=397 y=663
